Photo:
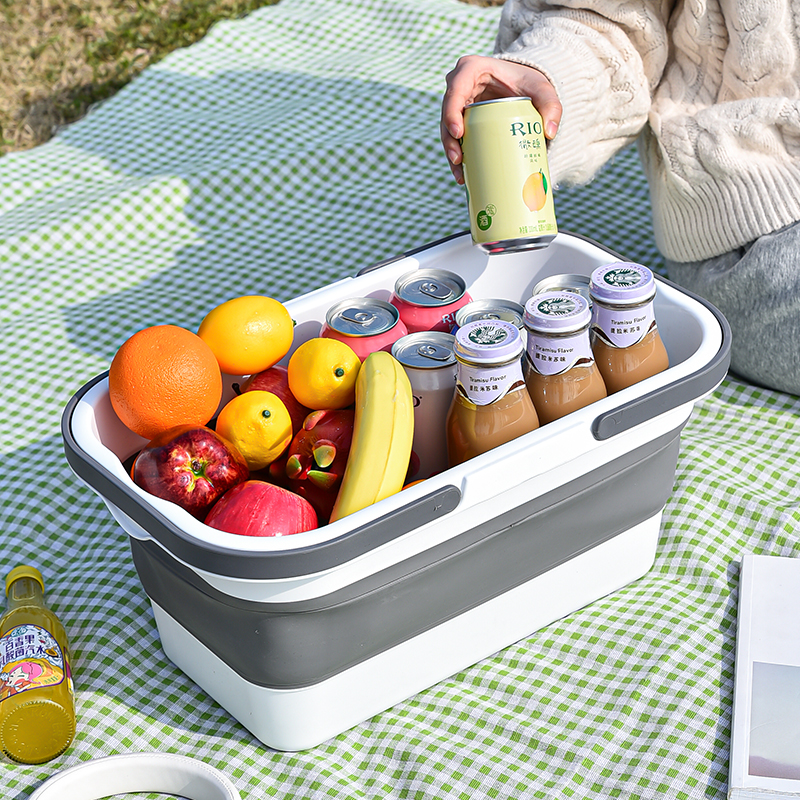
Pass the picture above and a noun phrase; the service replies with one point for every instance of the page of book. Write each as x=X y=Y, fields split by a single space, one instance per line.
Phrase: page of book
x=765 y=734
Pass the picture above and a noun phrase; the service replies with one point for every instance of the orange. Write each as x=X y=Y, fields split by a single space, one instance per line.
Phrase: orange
x=258 y=424
x=164 y=376
x=322 y=374
x=248 y=334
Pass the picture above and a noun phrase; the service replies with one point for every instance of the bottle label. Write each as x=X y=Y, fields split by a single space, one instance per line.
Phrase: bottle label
x=485 y=385
x=552 y=356
x=30 y=658
x=623 y=327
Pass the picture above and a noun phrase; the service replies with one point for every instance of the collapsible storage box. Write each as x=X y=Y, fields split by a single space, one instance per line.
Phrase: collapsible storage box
x=302 y=637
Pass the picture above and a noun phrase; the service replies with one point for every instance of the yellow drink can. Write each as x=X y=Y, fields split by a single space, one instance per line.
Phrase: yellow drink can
x=509 y=194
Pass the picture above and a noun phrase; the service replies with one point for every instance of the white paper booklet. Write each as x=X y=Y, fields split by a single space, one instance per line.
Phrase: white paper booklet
x=765 y=731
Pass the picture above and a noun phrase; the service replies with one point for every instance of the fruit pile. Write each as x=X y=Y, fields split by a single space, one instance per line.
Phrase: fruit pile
x=297 y=447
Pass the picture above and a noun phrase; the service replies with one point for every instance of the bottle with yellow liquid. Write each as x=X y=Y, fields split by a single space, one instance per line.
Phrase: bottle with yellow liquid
x=37 y=700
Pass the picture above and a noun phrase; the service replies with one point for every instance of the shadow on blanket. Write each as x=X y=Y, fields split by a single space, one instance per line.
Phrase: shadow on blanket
x=275 y=183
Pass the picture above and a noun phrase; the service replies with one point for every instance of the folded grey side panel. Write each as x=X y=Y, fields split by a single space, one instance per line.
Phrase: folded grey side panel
x=298 y=644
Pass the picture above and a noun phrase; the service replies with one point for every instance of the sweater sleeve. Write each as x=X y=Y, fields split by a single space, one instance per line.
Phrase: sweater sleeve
x=604 y=58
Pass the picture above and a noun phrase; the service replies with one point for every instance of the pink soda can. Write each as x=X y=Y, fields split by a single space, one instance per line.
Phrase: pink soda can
x=428 y=299
x=366 y=324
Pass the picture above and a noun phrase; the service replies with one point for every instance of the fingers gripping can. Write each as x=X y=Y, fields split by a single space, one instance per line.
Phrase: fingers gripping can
x=509 y=194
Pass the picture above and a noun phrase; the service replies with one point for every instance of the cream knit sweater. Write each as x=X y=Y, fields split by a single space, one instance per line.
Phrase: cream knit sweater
x=712 y=87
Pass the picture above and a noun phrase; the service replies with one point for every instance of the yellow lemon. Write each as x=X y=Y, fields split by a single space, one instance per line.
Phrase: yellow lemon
x=248 y=334
x=258 y=424
x=322 y=374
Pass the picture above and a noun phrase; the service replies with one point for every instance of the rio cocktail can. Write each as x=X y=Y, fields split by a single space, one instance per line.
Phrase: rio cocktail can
x=509 y=194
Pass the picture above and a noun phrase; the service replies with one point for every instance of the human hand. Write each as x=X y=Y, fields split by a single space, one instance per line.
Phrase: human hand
x=476 y=78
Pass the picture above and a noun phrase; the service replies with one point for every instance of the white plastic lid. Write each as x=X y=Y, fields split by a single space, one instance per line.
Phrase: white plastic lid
x=623 y=283
x=557 y=312
x=488 y=341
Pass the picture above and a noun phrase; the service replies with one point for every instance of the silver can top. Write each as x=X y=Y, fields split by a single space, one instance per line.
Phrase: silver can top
x=568 y=282
x=425 y=350
x=506 y=310
x=430 y=287
x=514 y=99
x=362 y=316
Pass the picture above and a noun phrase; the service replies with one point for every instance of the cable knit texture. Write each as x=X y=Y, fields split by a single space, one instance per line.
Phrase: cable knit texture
x=711 y=90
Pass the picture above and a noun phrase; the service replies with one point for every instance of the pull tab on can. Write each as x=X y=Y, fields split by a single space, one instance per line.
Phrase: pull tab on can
x=358 y=317
x=436 y=290
x=435 y=353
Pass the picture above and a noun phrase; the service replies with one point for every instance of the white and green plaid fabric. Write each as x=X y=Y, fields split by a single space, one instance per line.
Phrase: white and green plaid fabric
x=282 y=152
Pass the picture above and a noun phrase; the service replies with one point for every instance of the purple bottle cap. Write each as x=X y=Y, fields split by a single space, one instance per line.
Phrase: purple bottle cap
x=623 y=283
x=557 y=312
x=488 y=341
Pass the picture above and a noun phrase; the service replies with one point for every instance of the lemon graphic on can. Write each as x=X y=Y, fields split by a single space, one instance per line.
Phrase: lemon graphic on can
x=534 y=191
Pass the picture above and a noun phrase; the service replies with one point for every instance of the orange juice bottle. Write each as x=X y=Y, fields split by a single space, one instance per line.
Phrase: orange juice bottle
x=37 y=700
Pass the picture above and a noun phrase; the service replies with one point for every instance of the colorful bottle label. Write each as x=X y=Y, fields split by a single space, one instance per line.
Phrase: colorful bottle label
x=30 y=658
x=552 y=356
x=485 y=385
x=623 y=327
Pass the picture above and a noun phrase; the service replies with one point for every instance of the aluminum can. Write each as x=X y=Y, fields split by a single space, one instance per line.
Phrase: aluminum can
x=506 y=310
x=567 y=282
x=366 y=324
x=429 y=362
x=494 y=308
x=428 y=299
x=509 y=194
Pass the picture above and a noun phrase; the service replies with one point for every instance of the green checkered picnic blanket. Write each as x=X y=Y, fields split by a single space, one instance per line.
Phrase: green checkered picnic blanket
x=282 y=152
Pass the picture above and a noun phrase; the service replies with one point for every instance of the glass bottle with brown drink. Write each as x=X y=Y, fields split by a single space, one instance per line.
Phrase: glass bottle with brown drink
x=625 y=338
x=491 y=405
x=559 y=367
x=37 y=701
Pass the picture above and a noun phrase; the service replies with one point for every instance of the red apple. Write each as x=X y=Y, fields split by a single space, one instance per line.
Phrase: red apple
x=276 y=380
x=190 y=465
x=257 y=508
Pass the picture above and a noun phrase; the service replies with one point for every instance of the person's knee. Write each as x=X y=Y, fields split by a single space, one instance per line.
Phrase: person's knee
x=757 y=289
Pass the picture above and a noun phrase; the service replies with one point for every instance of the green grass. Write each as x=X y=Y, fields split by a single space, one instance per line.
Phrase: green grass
x=58 y=57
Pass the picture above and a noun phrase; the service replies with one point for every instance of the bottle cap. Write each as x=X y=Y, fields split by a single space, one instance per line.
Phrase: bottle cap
x=488 y=341
x=24 y=571
x=557 y=312
x=623 y=283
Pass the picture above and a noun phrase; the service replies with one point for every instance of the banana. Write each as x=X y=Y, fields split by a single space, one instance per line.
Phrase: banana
x=382 y=433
